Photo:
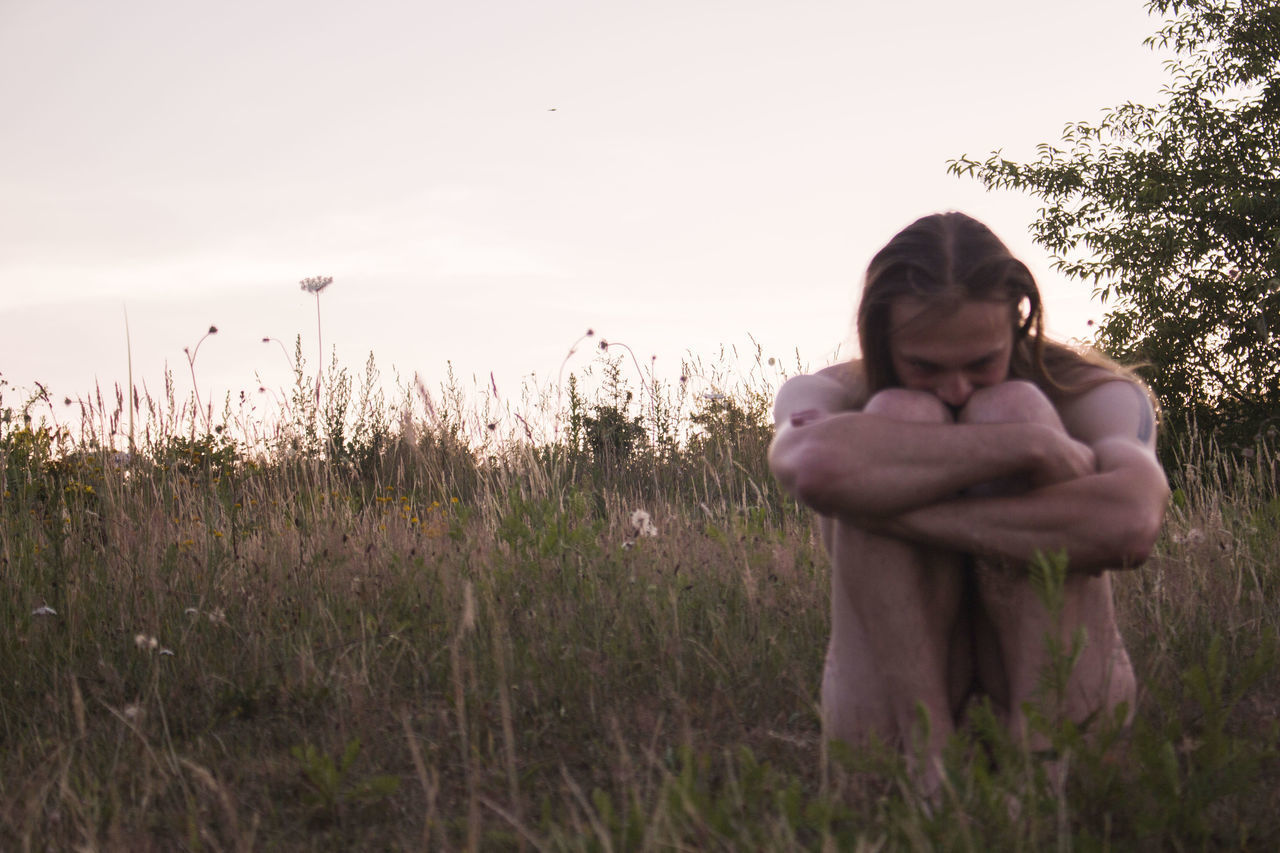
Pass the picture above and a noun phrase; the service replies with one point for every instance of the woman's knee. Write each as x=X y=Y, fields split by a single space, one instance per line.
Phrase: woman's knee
x=1014 y=401
x=901 y=404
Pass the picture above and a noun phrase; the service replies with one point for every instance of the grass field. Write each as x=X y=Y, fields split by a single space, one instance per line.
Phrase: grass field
x=376 y=626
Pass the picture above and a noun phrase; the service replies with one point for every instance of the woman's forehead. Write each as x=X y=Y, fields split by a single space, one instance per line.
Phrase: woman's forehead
x=924 y=327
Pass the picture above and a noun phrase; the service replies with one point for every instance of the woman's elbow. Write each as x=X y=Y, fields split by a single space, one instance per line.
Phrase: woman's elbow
x=801 y=472
x=1137 y=536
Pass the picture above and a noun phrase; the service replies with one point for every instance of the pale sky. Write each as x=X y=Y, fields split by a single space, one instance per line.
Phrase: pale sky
x=485 y=180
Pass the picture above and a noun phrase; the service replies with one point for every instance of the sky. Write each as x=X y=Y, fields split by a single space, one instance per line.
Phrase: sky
x=486 y=180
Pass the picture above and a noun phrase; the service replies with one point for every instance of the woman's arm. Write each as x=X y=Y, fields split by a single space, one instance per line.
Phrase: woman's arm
x=852 y=464
x=1105 y=520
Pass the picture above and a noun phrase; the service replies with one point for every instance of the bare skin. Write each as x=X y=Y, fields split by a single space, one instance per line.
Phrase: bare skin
x=933 y=499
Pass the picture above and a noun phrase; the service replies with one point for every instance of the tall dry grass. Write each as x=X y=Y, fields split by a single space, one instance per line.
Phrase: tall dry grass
x=393 y=626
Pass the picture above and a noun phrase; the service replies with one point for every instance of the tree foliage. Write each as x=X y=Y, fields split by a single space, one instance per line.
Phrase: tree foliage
x=1173 y=213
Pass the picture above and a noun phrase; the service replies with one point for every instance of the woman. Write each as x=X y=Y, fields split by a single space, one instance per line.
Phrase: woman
x=959 y=447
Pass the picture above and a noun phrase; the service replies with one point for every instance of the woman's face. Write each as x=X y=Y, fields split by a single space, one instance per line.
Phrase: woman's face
x=950 y=351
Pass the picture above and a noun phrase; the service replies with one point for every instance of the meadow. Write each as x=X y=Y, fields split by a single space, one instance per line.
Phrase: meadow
x=437 y=622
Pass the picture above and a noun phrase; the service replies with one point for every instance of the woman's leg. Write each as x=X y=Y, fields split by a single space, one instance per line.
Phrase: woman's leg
x=1012 y=624
x=898 y=643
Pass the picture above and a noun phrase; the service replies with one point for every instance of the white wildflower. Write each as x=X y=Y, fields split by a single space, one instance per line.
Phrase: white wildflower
x=133 y=713
x=628 y=545
x=642 y=525
x=145 y=642
x=44 y=610
x=315 y=284
x=191 y=611
x=164 y=652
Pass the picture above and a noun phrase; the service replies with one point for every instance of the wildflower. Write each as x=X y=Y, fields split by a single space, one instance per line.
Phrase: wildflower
x=315 y=284
x=164 y=652
x=146 y=643
x=133 y=713
x=44 y=610
x=1191 y=537
x=191 y=611
x=642 y=525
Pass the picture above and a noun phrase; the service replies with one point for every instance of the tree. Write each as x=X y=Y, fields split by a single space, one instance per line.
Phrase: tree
x=1173 y=213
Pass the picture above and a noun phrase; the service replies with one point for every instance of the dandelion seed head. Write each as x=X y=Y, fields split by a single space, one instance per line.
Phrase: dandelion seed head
x=140 y=640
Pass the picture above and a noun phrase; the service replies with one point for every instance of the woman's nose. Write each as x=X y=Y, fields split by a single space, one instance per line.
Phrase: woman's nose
x=955 y=390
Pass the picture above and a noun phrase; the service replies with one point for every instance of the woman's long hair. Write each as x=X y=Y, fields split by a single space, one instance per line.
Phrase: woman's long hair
x=949 y=258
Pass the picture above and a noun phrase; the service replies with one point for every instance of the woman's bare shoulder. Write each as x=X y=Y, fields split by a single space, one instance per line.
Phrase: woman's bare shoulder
x=837 y=388
x=850 y=375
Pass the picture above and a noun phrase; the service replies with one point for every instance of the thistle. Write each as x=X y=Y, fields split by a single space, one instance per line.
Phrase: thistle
x=191 y=363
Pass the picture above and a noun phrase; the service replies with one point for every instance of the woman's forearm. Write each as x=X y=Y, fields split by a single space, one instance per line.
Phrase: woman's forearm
x=856 y=464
